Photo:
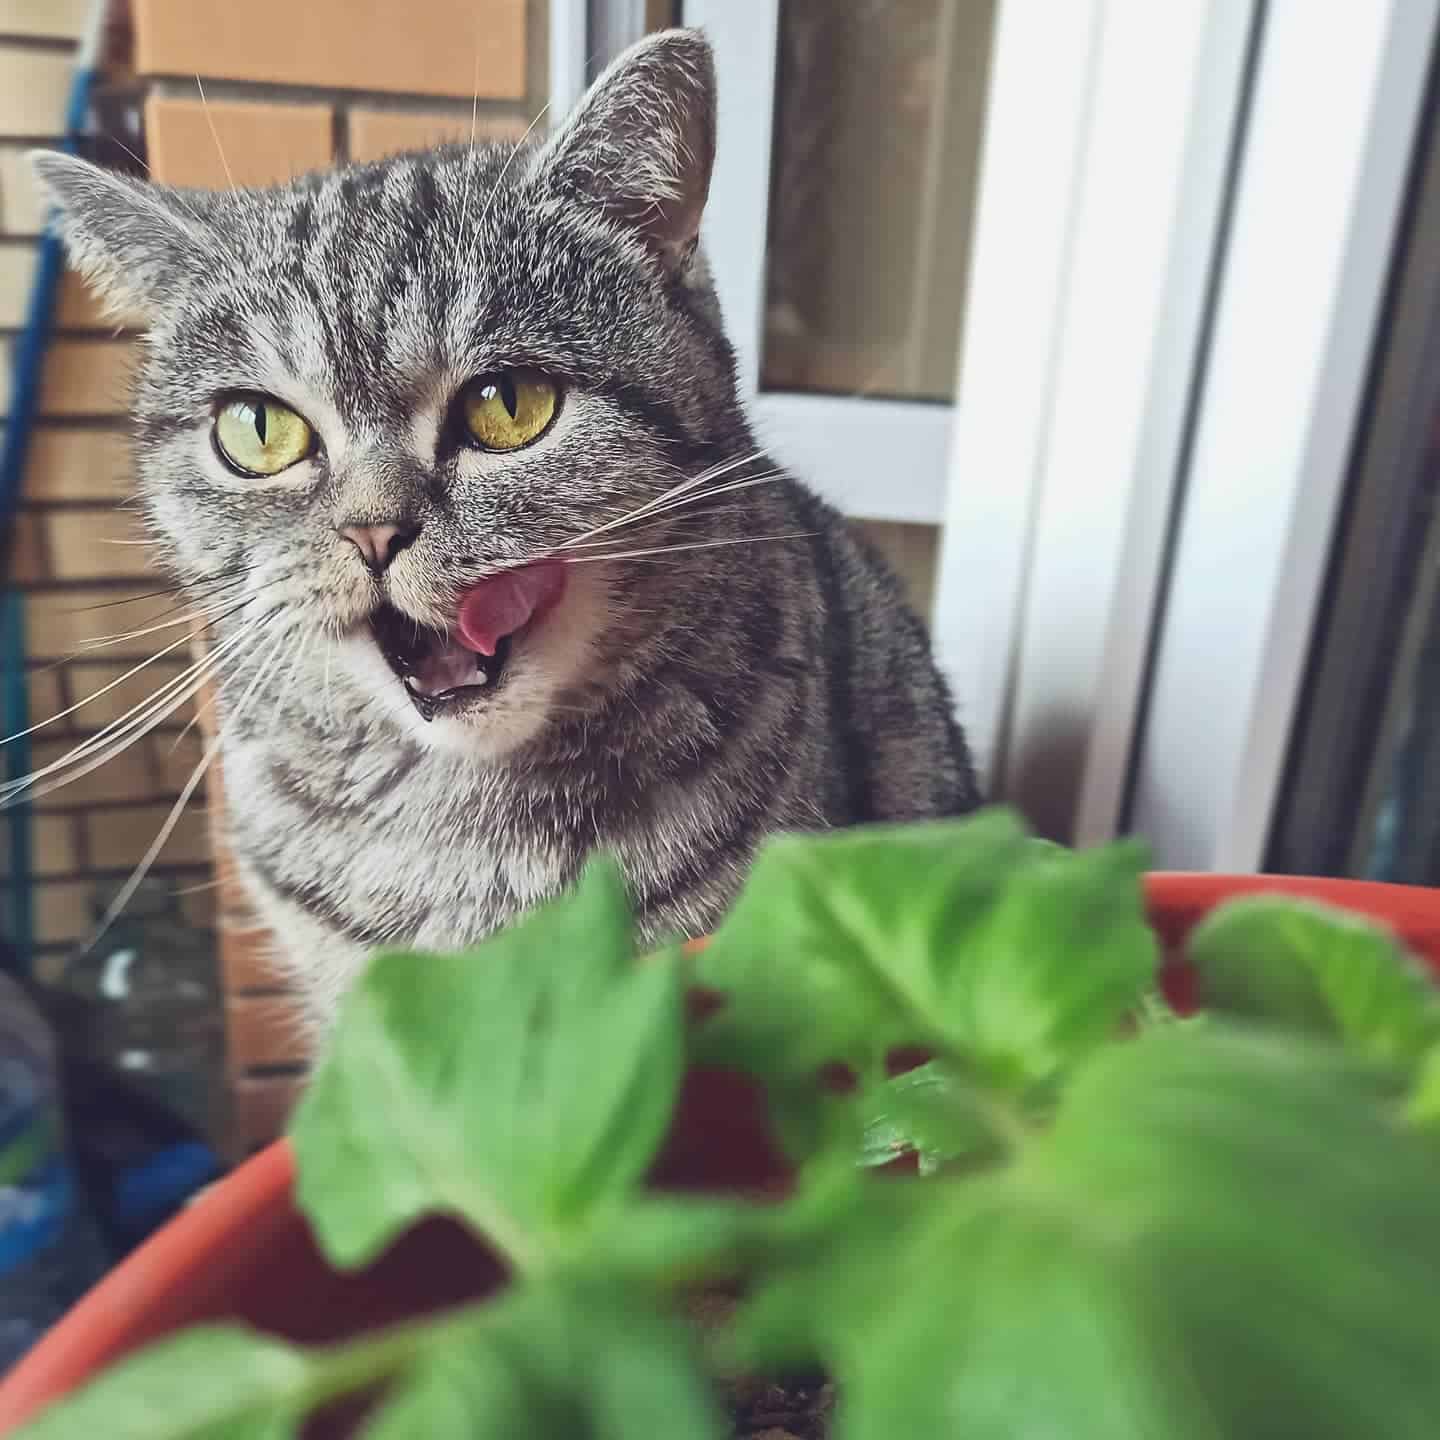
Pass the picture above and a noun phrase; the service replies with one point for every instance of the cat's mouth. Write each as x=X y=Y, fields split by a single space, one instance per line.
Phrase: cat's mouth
x=446 y=671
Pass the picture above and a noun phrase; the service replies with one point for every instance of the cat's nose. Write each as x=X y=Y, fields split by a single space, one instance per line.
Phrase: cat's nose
x=380 y=544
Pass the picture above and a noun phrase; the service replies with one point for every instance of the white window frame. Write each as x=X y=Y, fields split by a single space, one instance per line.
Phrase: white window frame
x=1337 y=105
x=1082 y=349
x=1183 y=231
x=1103 y=170
x=881 y=459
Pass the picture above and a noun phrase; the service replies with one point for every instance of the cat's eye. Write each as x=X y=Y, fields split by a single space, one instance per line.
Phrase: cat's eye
x=259 y=436
x=510 y=408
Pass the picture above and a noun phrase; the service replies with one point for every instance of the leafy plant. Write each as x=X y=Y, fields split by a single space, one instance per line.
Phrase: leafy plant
x=1128 y=1228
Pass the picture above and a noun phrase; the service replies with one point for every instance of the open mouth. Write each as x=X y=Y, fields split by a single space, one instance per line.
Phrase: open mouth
x=443 y=672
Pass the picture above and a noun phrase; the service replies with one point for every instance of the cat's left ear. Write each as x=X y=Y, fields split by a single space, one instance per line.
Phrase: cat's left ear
x=640 y=145
x=132 y=240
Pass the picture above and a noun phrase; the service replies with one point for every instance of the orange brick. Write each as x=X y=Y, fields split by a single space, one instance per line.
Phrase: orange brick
x=377 y=133
x=261 y=1109
x=260 y=144
x=265 y=1030
x=89 y=682
x=42 y=688
x=118 y=839
x=34 y=89
x=247 y=960
x=17 y=275
x=62 y=912
x=174 y=760
x=127 y=776
x=444 y=47
x=99 y=544
x=86 y=377
x=44 y=19
x=78 y=465
x=22 y=208
x=53 y=845
x=28 y=560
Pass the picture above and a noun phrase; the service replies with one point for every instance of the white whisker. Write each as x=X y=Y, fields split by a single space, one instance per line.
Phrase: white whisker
x=137 y=876
x=690 y=483
x=215 y=134
x=510 y=159
x=656 y=517
x=118 y=736
x=208 y=615
x=693 y=545
x=80 y=704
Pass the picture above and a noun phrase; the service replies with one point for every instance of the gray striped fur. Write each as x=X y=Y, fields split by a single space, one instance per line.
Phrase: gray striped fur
x=675 y=709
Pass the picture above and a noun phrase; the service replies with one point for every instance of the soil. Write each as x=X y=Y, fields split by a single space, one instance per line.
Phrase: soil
x=798 y=1411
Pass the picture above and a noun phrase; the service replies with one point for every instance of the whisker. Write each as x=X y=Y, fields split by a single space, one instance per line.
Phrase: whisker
x=201 y=589
x=215 y=134
x=210 y=617
x=80 y=704
x=690 y=483
x=694 y=545
x=684 y=502
x=137 y=876
x=97 y=752
x=510 y=159
x=138 y=721
x=470 y=154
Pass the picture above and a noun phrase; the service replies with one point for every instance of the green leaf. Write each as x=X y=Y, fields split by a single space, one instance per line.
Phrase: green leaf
x=1312 y=968
x=525 y=1086
x=966 y=937
x=206 y=1384
x=553 y=1364
x=1222 y=1236
x=931 y=1110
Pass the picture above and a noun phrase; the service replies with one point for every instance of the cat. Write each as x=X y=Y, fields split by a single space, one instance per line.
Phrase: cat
x=448 y=450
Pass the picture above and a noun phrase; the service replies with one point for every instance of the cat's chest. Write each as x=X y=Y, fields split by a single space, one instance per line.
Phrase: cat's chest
x=387 y=841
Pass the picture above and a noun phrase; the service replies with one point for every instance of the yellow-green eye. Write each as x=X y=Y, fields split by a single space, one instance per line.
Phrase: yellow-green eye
x=510 y=408
x=260 y=436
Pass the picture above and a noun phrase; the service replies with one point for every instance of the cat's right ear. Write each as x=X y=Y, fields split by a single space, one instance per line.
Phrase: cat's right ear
x=130 y=239
x=640 y=145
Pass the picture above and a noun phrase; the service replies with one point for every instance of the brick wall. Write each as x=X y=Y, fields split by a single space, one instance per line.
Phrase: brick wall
x=346 y=83
x=82 y=584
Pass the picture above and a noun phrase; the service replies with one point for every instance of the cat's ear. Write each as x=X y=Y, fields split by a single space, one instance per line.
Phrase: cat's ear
x=641 y=143
x=130 y=239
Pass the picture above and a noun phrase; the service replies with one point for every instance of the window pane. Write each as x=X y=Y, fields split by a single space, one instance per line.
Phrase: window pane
x=878 y=115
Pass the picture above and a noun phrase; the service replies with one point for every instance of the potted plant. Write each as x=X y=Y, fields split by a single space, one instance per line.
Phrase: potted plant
x=1124 y=1222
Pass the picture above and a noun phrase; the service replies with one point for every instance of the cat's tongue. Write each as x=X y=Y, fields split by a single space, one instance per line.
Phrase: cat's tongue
x=499 y=606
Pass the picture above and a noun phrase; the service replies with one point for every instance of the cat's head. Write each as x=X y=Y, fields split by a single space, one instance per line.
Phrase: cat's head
x=385 y=409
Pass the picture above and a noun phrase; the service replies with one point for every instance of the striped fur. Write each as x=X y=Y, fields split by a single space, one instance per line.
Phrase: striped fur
x=675 y=708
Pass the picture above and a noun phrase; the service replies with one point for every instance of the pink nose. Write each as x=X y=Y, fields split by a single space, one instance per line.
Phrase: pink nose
x=379 y=544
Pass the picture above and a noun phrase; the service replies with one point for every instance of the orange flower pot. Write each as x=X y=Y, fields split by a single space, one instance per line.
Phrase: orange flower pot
x=243 y=1252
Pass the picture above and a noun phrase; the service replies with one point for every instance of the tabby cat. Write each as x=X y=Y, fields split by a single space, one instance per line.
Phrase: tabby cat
x=447 y=450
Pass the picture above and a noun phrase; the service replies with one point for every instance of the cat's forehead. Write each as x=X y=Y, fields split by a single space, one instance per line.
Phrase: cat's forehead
x=376 y=284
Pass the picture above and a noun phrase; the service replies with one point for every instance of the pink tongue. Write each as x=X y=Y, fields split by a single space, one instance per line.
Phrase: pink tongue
x=499 y=606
